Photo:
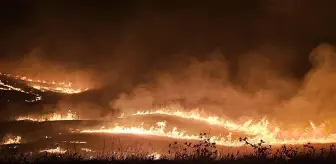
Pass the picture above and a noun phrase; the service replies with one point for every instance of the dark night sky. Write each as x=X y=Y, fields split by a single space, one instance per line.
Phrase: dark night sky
x=139 y=36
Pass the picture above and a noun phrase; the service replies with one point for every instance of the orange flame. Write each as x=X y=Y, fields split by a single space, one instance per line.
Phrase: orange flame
x=159 y=130
x=13 y=140
x=57 y=150
x=54 y=117
x=8 y=87
x=259 y=131
x=43 y=85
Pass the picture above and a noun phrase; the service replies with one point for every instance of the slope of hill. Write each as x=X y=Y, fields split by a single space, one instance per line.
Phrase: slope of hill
x=20 y=97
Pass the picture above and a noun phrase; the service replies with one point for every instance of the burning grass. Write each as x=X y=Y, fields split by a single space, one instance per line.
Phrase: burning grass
x=43 y=85
x=261 y=129
x=255 y=131
x=54 y=117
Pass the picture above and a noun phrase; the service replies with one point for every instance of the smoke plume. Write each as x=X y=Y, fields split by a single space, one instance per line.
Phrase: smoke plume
x=136 y=55
x=265 y=88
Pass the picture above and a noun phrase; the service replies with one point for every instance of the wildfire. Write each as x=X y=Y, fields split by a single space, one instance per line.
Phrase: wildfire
x=159 y=130
x=259 y=131
x=8 y=87
x=57 y=150
x=54 y=117
x=43 y=85
x=247 y=128
x=59 y=89
x=13 y=140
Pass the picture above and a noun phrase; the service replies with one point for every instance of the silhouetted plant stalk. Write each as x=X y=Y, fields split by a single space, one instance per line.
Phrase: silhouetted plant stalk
x=203 y=150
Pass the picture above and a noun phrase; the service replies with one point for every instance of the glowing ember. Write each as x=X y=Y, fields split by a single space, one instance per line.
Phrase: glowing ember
x=13 y=140
x=42 y=85
x=77 y=142
x=53 y=117
x=155 y=156
x=57 y=150
x=87 y=150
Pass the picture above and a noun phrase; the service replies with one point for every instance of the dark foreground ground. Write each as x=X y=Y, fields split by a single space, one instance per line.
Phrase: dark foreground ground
x=179 y=152
x=107 y=159
x=184 y=162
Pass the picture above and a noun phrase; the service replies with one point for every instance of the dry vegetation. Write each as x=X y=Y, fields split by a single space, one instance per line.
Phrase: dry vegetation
x=202 y=152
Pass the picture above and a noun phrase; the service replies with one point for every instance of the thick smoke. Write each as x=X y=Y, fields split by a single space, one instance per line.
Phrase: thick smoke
x=144 y=55
x=264 y=88
x=206 y=84
x=34 y=65
x=316 y=98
